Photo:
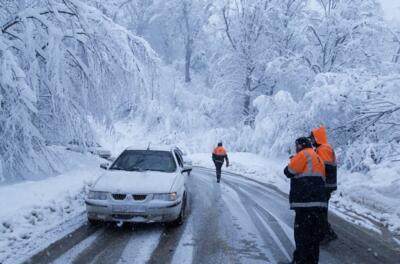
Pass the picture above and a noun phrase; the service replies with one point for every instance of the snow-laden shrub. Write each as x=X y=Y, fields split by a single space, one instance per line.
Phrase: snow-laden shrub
x=375 y=128
x=281 y=119
x=276 y=124
x=361 y=114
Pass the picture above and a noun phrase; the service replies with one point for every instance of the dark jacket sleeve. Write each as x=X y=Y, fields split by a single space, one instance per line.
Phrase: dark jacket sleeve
x=288 y=173
x=227 y=160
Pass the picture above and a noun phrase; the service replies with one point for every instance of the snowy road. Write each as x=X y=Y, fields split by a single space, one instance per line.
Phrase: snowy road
x=236 y=221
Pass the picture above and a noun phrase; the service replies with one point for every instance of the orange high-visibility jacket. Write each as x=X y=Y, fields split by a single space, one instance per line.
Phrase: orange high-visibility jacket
x=307 y=164
x=327 y=154
x=307 y=173
x=219 y=151
x=219 y=155
x=324 y=150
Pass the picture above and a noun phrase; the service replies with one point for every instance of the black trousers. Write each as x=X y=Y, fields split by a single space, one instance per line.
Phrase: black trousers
x=308 y=233
x=327 y=226
x=218 y=166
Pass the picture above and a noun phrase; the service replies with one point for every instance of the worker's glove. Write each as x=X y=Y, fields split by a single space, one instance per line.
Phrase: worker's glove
x=227 y=165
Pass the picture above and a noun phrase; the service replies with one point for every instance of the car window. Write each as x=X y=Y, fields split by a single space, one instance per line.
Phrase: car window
x=143 y=160
x=179 y=158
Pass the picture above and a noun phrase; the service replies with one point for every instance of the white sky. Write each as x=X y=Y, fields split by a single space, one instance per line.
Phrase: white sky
x=391 y=9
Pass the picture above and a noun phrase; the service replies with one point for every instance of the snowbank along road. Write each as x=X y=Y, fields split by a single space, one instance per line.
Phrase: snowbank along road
x=237 y=221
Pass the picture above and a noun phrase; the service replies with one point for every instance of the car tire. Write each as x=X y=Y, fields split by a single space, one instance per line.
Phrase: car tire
x=94 y=222
x=182 y=214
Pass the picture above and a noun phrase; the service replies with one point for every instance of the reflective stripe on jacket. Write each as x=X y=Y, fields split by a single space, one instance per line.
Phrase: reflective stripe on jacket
x=327 y=154
x=307 y=187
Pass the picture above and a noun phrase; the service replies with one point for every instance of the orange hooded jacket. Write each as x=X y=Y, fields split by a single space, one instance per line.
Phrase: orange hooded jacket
x=327 y=154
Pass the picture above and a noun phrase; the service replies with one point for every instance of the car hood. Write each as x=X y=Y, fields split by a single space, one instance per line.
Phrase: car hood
x=135 y=182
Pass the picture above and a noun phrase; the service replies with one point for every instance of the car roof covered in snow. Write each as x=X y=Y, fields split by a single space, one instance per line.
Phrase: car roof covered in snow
x=152 y=147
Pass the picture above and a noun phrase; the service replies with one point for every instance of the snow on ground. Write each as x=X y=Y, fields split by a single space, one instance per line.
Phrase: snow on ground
x=141 y=246
x=32 y=210
x=370 y=200
x=374 y=195
x=250 y=165
x=68 y=257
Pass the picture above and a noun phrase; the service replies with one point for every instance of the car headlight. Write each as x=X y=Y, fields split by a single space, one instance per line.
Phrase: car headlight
x=94 y=195
x=165 y=196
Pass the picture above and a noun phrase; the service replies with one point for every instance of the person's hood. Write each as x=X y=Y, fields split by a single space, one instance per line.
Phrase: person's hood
x=320 y=135
x=135 y=182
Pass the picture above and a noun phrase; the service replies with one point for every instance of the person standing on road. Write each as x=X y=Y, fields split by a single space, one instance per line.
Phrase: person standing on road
x=219 y=155
x=319 y=139
x=306 y=172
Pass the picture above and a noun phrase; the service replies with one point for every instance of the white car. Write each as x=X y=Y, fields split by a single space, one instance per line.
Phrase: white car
x=187 y=162
x=144 y=184
x=91 y=147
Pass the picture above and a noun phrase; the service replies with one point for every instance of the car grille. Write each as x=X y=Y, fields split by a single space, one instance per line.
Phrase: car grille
x=119 y=196
x=139 y=197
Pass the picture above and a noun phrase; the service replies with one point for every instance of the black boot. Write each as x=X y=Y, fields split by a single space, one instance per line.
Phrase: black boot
x=332 y=235
x=329 y=237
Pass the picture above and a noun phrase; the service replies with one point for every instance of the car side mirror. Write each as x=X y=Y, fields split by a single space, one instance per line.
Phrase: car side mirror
x=188 y=171
x=186 y=168
x=104 y=166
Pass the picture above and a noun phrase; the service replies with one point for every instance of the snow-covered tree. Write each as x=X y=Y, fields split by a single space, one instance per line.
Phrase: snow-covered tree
x=20 y=141
x=77 y=63
x=262 y=37
x=345 y=33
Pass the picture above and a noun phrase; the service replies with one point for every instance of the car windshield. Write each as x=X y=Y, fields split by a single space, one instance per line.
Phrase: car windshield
x=143 y=160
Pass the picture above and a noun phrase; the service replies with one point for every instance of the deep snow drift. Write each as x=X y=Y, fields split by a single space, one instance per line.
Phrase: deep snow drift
x=35 y=213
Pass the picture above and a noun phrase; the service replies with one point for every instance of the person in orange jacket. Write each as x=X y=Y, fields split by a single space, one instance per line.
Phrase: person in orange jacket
x=306 y=172
x=319 y=139
x=219 y=155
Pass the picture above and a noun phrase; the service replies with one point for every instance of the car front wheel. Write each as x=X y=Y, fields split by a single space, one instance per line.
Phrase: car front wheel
x=181 y=218
x=94 y=222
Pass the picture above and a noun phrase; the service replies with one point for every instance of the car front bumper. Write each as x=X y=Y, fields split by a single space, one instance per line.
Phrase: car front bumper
x=161 y=211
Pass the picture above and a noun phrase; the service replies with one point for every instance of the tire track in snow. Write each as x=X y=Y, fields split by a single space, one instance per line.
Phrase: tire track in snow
x=270 y=222
x=270 y=229
x=68 y=256
x=215 y=238
x=61 y=246
x=355 y=244
x=122 y=244
x=107 y=248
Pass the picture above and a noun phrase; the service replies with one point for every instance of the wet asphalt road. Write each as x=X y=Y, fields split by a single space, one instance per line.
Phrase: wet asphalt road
x=236 y=221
